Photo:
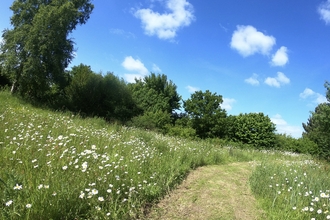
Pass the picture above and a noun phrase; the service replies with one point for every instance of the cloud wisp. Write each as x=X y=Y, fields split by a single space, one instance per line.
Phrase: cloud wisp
x=121 y=32
x=280 y=58
x=165 y=26
x=253 y=80
x=192 y=89
x=283 y=127
x=156 y=68
x=135 y=66
x=228 y=103
x=316 y=98
x=278 y=81
x=324 y=11
x=247 y=40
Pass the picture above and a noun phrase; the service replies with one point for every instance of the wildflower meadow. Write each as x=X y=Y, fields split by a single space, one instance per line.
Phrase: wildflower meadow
x=59 y=166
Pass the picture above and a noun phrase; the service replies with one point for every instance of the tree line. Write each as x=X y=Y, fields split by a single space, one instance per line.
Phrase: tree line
x=35 y=54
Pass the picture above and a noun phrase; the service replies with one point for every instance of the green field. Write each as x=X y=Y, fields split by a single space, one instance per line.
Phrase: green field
x=57 y=165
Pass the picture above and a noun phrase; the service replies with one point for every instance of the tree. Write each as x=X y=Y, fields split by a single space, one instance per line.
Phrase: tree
x=84 y=93
x=155 y=93
x=205 y=113
x=317 y=127
x=100 y=95
x=157 y=100
x=255 y=129
x=37 y=50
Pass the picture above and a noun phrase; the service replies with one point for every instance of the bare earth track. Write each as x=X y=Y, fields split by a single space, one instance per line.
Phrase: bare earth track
x=212 y=192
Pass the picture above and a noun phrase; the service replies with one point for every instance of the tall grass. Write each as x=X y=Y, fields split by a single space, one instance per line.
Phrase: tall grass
x=58 y=166
x=293 y=189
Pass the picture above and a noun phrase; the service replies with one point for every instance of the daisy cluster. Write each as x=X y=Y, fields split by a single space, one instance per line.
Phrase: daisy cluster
x=60 y=165
x=295 y=188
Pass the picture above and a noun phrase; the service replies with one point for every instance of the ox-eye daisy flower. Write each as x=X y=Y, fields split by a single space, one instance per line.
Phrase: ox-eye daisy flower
x=18 y=187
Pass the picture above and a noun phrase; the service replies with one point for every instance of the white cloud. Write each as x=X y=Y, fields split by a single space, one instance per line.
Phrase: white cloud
x=136 y=66
x=248 y=41
x=306 y=93
x=165 y=25
x=156 y=68
x=324 y=11
x=192 y=89
x=228 y=103
x=280 y=58
x=130 y=78
x=253 y=80
x=283 y=127
x=278 y=81
x=310 y=94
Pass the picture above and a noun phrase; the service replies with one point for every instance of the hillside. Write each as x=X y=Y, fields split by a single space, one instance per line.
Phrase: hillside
x=59 y=166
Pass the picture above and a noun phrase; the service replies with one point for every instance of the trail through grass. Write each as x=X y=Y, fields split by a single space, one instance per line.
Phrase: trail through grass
x=212 y=192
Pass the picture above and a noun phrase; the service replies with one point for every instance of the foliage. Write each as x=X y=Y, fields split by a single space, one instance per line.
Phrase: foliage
x=157 y=100
x=255 y=129
x=37 y=50
x=84 y=92
x=295 y=190
x=205 y=114
x=317 y=127
x=301 y=145
x=154 y=93
x=93 y=94
x=88 y=169
x=181 y=131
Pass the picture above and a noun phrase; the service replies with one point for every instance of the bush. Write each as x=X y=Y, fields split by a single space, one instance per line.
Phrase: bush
x=301 y=145
x=180 y=131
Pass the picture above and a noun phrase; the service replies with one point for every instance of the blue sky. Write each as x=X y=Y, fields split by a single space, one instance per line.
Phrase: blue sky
x=262 y=56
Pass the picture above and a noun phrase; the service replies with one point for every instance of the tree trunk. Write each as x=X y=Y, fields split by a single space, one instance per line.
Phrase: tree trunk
x=13 y=88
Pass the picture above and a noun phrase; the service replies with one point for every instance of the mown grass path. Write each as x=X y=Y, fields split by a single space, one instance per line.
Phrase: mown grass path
x=211 y=192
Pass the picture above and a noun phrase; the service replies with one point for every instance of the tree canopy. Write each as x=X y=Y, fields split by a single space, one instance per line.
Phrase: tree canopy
x=207 y=117
x=255 y=129
x=37 y=50
x=317 y=127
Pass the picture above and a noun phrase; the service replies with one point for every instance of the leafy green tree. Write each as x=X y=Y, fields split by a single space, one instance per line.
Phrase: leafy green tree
x=205 y=113
x=37 y=50
x=117 y=100
x=155 y=92
x=84 y=93
x=105 y=96
x=157 y=100
x=317 y=127
x=255 y=129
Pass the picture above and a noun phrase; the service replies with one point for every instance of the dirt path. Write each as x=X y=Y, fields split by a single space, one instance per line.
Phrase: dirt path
x=212 y=192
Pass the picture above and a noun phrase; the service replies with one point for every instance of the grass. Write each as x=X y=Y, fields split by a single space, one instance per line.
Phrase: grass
x=58 y=166
x=293 y=189
x=212 y=192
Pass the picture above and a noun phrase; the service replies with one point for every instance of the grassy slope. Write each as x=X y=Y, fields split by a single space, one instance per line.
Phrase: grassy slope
x=65 y=167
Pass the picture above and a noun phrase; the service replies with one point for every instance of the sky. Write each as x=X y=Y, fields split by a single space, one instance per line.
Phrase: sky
x=262 y=56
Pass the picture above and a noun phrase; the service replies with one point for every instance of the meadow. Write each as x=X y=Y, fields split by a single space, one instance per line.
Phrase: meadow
x=56 y=165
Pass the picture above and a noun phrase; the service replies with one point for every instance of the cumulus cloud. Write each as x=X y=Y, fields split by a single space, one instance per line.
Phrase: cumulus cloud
x=156 y=68
x=317 y=98
x=166 y=25
x=228 y=103
x=278 y=81
x=253 y=80
x=192 y=89
x=283 y=127
x=247 y=40
x=324 y=11
x=136 y=66
x=280 y=58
